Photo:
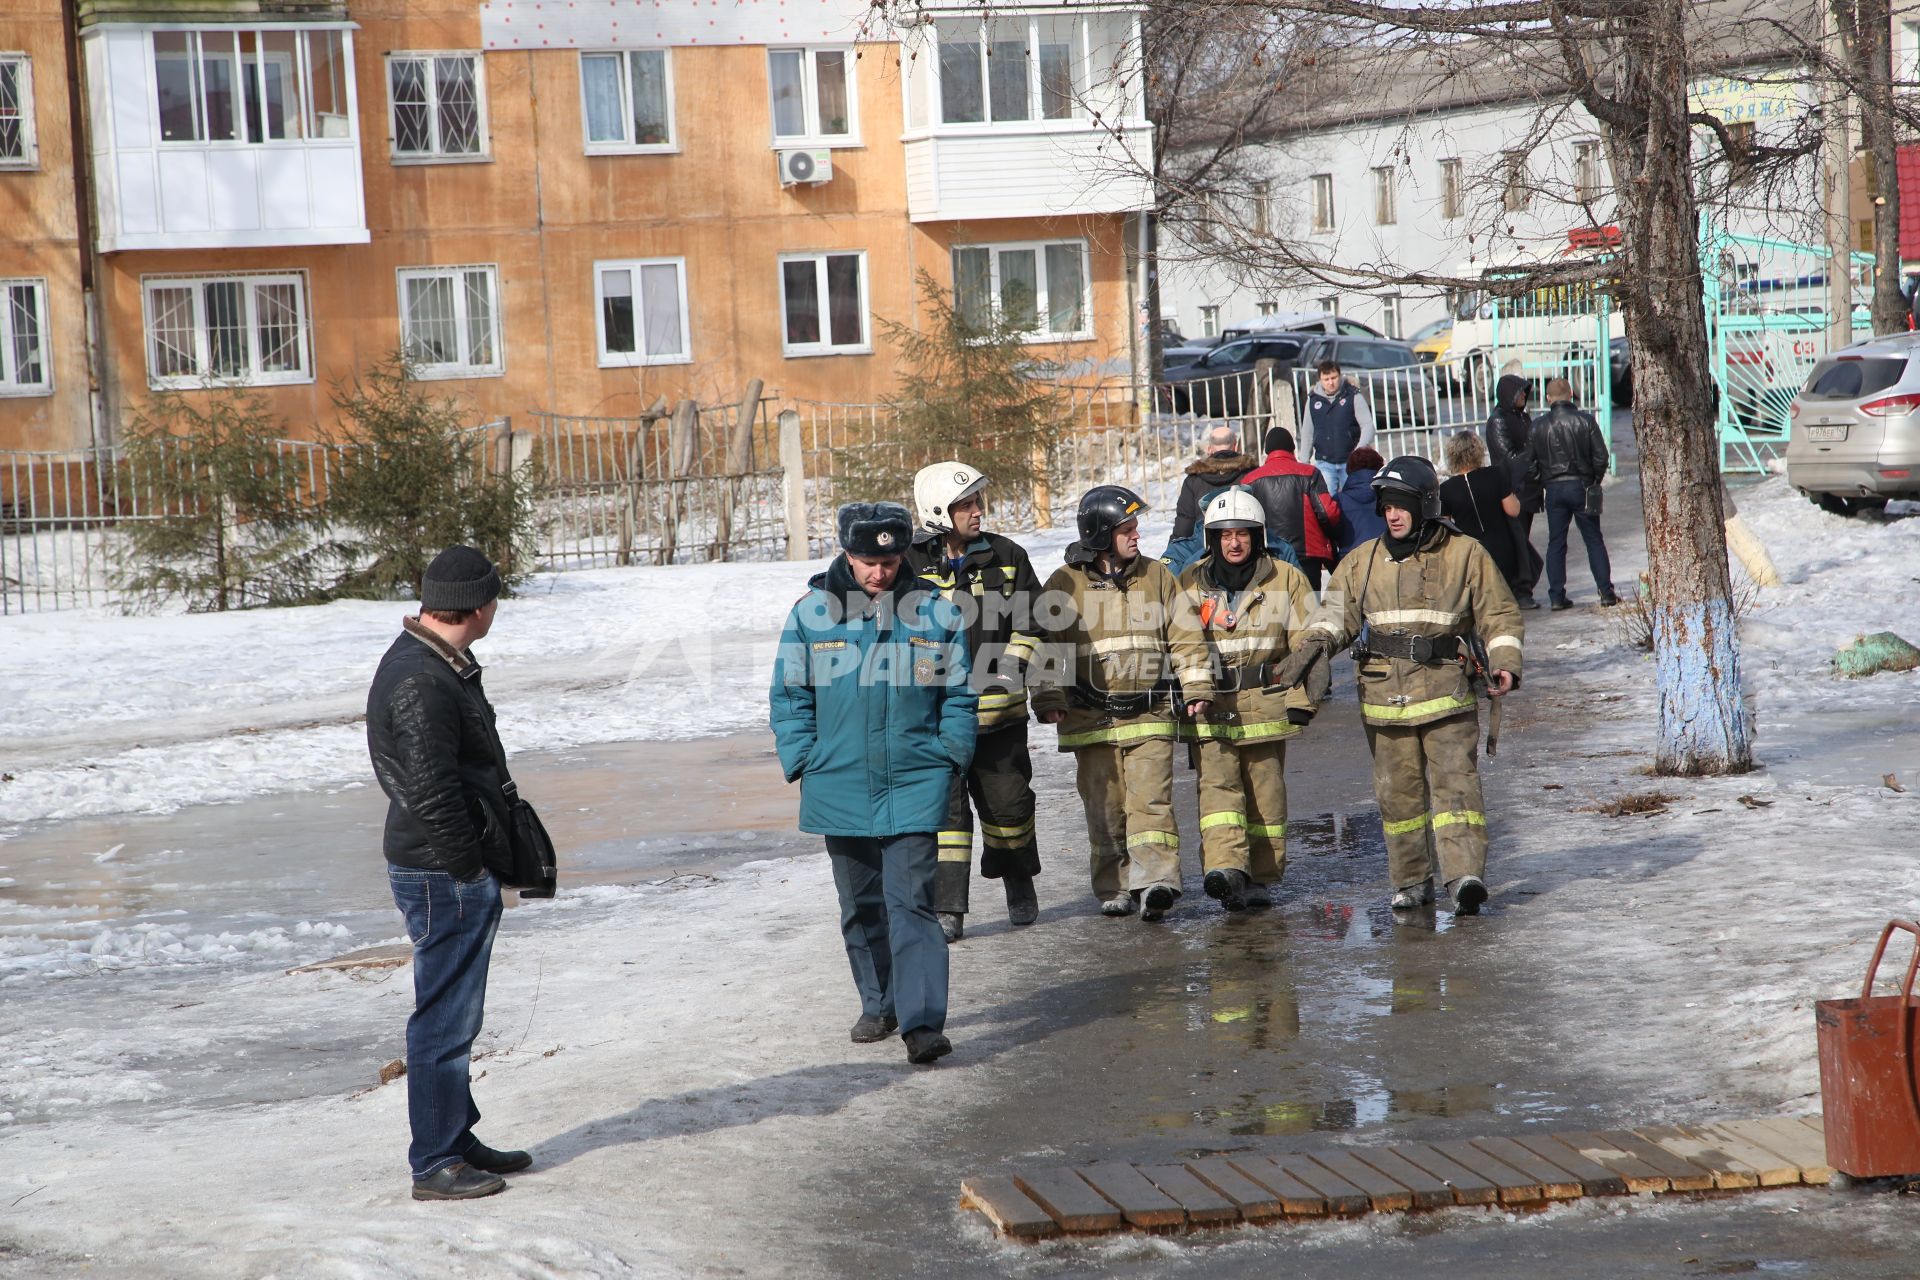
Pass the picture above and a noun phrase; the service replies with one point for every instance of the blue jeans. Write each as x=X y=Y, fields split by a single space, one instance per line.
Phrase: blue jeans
x=894 y=943
x=1335 y=474
x=1567 y=501
x=451 y=924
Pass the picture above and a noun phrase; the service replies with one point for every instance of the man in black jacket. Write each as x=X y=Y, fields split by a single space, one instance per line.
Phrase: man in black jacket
x=1510 y=448
x=430 y=731
x=1572 y=456
x=1222 y=468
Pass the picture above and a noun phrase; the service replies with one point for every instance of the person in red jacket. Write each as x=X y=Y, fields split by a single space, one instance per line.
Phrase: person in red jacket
x=1299 y=508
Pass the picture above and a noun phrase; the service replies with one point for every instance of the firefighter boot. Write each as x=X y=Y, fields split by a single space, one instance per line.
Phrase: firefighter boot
x=1468 y=894
x=1023 y=905
x=953 y=925
x=1229 y=885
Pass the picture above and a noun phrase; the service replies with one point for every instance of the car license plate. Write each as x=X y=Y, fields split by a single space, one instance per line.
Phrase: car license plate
x=1825 y=433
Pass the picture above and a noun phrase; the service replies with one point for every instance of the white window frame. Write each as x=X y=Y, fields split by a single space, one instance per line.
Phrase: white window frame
x=810 y=99
x=463 y=335
x=629 y=146
x=1321 y=186
x=825 y=346
x=638 y=357
x=1266 y=307
x=1385 y=214
x=9 y=383
x=1583 y=191
x=29 y=157
x=1210 y=322
x=255 y=377
x=1390 y=316
x=1084 y=67
x=1515 y=194
x=312 y=119
x=1452 y=188
x=1263 y=207
x=437 y=155
x=1042 y=303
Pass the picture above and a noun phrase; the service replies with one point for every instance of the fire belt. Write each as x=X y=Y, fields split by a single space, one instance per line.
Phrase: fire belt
x=1428 y=650
x=1120 y=704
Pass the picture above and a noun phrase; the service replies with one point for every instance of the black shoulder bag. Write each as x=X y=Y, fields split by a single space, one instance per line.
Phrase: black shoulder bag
x=532 y=866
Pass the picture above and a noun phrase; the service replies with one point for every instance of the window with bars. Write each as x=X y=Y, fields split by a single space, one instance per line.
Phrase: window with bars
x=1452 y=189
x=16 y=112
x=642 y=312
x=450 y=321
x=437 y=106
x=251 y=86
x=1322 y=201
x=1516 y=193
x=212 y=329
x=823 y=303
x=813 y=95
x=1038 y=290
x=25 y=369
x=627 y=100
x=1383 y=212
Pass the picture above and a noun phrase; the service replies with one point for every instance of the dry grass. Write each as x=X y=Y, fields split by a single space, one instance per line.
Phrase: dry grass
x=1635 y=803
x=1630 y=622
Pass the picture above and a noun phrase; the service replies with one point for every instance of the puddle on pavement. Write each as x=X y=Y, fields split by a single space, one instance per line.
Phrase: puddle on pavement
x=1805 y=747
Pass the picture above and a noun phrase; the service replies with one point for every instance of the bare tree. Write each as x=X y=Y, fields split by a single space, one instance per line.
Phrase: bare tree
x=1863 y=64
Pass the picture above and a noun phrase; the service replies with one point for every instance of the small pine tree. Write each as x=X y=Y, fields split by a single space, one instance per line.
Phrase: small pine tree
x=968 y=391
x=414 y=481
x=226 y=527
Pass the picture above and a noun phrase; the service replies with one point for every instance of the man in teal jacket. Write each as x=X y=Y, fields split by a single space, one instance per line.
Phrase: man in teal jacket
x=873 y=714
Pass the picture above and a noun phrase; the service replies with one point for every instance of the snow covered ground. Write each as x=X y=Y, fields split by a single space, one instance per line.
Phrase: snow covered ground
x=675 y=1050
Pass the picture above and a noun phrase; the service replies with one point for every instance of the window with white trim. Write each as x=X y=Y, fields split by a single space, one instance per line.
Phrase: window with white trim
x=1453 y=195
x=640 y=312
x=1390 y=315
x=1210 y=322
x=258 y=87
x=17 y=149
x=238 y=328
x=1322 y=201
x=1518 y=186
x=1265 y=308
x=25 y=369
x=450 y=321
x=1038 y=290
x=1383 y=210
x=823 y=303
x=1587 y=171
x=813 y=95
x=1008 y=69
x=436 y=106
x=626 y=101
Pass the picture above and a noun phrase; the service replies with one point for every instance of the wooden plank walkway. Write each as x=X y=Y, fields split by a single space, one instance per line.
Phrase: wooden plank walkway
x=1533 y=1169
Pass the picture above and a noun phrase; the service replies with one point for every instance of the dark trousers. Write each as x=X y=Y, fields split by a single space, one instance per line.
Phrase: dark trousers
x=1000 y=785
x=1567 y=502
x=1315 y=568
x=894 y=944
x=1530 y=561
x=451 y=923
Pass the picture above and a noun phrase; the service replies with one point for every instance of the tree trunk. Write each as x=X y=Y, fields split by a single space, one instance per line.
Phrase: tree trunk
x=1705 y=727
x=1873 y=61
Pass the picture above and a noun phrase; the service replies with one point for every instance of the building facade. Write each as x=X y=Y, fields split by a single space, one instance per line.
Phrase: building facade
x=579 y=206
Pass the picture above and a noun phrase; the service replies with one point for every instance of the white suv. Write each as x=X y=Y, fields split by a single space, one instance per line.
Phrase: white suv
x=1854 y=428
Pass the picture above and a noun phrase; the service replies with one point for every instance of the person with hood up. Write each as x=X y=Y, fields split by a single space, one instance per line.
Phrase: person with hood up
x=1359 y=510
x=1241 y=612
x=873 y=714
x=1104 y=681
x=1299 y=509
x=1510 y=450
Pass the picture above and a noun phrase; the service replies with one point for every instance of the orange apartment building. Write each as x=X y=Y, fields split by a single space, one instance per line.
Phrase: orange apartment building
x=571 y=205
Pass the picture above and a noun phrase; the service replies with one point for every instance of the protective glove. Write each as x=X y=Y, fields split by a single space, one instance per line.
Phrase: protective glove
x=1295 y=668
x=1299 y=716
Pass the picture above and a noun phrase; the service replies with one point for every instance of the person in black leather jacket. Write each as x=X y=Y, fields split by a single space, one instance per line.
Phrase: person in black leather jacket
x=1509 y=435
x=1571 y=454
x=437 y=755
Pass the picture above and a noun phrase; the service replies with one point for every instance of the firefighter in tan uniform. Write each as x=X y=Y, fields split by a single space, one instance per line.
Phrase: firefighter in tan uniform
x=991 y=581
x=1242 y=612
x=1420 y=599
x=1102 y=680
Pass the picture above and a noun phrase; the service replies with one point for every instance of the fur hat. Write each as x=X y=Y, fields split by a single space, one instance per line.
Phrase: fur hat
x=875 y=529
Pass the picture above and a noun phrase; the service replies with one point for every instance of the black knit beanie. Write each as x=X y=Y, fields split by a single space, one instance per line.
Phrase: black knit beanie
x=1278 y=440
x=459 y=578
x=874 y=529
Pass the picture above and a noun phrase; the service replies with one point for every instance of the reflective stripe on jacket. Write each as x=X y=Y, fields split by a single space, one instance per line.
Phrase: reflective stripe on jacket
x=1002 y=593
x=1269 y=621
x=1104 y=637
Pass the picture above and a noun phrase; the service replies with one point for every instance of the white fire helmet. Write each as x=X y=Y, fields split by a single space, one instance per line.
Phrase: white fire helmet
x=938 y=487
x=1235 y=508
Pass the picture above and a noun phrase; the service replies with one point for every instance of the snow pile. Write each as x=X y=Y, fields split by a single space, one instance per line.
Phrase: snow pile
x=151 y=945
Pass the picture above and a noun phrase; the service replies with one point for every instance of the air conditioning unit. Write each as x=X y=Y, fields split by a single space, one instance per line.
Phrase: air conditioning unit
x=804 y=166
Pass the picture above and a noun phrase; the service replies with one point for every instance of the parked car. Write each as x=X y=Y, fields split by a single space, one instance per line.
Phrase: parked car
x=1187 y=352
x=1169 y=334
x=1220 y=383
x=1429 y=341
x=1853 y=437
x=1302 y=322
x=1400 y=388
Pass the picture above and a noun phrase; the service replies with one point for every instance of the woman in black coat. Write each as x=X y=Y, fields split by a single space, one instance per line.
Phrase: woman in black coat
x=1480 y=503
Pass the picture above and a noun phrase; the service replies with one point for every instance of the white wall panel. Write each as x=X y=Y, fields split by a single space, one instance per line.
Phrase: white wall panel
x=233 y=189
x=183 y=191
x=285 y=203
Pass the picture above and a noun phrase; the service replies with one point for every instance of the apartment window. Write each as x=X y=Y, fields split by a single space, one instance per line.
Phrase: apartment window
x=1383 y=196
x=1209 y=322
x=1266 y=307
x=627 y=101
x=1390 y=315
x=1329 y=303
x=251 y=86
x=239 y=328
x=1323 y=202
x=450 y=321
x=24 y=368
x=823 y=303
x=812 y=94
x=16 y=112
x=437 y=106
x=1452 y=190
x=1514 y=196
x=641 y=312
x=1009 y=69
x=1039 y=290
x=1907 y=65
x=1262 y=220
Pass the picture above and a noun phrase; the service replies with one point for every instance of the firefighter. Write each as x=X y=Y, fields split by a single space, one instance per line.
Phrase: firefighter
x=992 y=582
x=1103 y=682
x=1242 y=611
x=1420 y=599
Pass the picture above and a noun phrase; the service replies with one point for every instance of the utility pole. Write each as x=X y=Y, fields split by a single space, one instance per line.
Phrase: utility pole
x=1836 y=160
